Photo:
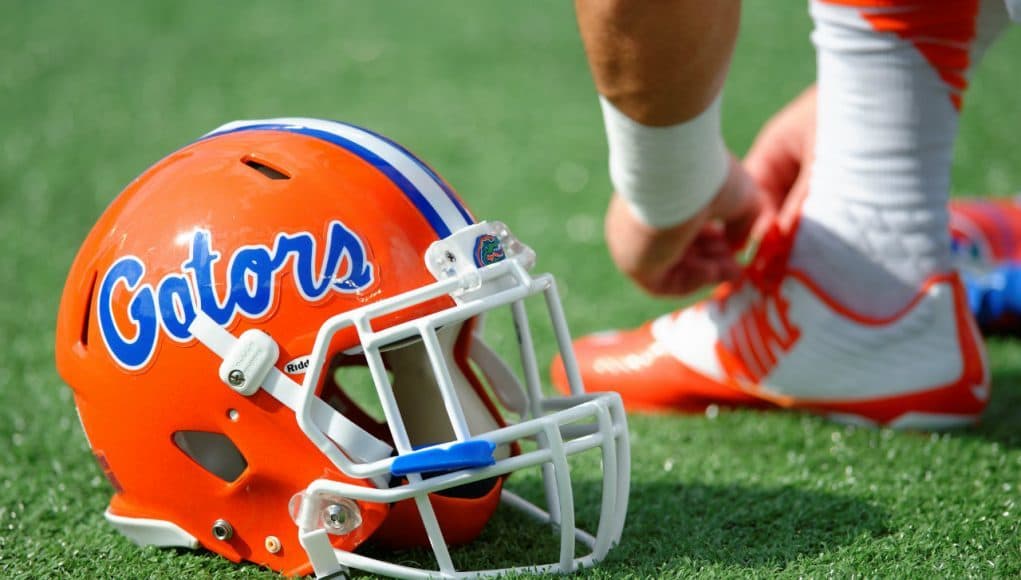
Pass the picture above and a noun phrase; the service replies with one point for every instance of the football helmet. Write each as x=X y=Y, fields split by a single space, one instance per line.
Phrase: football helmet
x=209 y=319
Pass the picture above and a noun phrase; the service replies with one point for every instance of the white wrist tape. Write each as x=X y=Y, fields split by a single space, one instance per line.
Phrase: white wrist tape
x=666 y=174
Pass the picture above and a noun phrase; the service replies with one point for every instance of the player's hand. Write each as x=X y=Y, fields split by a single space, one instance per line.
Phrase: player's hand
x=781 y=157
x=683 y=258
x=700 y=251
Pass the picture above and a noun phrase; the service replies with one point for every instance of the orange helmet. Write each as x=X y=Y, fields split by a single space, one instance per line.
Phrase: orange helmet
x=209 y=319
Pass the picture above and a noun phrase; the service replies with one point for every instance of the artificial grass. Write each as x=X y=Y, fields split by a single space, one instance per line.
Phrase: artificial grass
x=497 y=97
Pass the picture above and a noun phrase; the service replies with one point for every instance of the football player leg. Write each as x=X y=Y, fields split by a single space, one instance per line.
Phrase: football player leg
x=850 y=308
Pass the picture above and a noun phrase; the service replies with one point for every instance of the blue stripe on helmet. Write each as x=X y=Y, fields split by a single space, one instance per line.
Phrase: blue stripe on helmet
x=428 y=170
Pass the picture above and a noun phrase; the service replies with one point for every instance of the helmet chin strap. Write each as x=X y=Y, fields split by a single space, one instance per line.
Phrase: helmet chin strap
x=250 y=351
x=505 y=385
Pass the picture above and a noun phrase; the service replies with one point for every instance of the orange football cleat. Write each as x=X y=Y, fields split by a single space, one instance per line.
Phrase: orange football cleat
x=776 y=339
x=985 y=240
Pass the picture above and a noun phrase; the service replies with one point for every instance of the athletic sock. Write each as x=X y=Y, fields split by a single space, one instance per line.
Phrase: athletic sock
x=875 y=224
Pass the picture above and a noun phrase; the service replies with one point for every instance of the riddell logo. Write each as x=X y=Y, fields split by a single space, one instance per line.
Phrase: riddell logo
x=297 y=366
x=757 y=340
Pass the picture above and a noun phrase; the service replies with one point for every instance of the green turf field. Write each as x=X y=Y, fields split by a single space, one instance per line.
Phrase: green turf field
x=497 y=96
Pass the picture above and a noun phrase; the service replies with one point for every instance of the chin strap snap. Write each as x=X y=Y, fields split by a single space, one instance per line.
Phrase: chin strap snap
x=249 y=361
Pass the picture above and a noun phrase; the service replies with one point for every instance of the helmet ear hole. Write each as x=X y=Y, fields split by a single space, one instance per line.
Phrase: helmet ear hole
x=214 y=452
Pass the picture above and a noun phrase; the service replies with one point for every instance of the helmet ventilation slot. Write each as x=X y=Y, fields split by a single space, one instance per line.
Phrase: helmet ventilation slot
x=87 y=317
x=266 y=170
x=214 y=452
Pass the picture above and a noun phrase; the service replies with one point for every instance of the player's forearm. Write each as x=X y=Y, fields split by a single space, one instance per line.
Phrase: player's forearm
x=660 y=62
x=659 y=67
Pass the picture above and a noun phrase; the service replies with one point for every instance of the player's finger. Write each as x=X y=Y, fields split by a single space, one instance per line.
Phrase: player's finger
x=696 y=271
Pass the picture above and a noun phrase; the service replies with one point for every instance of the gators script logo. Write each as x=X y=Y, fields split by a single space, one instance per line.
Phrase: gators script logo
x=253 y=272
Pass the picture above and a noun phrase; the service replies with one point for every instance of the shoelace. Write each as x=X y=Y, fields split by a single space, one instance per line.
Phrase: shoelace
x=767 y=268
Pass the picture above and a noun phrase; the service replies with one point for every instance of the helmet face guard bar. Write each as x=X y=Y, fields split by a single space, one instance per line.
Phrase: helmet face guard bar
x=609 y=434
x=560 y=426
